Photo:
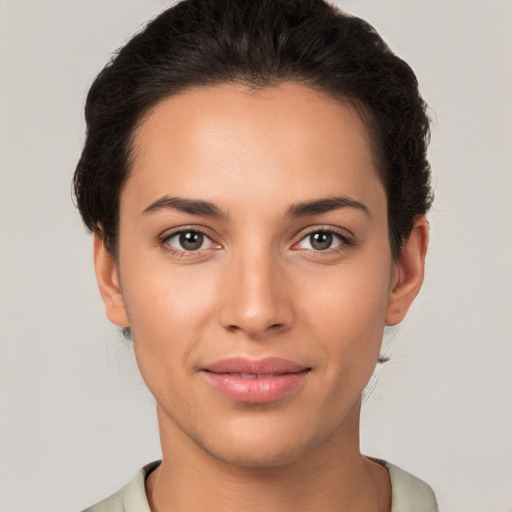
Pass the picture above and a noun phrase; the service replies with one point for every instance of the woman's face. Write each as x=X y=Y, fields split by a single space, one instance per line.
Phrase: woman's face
x=254 y=269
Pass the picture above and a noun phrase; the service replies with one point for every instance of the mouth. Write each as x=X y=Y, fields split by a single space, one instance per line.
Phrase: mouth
x=255 y=381
x=256 y=375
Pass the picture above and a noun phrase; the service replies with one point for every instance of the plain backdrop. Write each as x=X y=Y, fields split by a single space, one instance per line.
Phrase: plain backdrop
x=75 y=420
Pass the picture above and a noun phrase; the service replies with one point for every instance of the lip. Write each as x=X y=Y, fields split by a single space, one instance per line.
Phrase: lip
x=255 y=381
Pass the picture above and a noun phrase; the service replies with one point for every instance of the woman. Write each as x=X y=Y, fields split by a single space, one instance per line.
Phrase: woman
x=256 y=182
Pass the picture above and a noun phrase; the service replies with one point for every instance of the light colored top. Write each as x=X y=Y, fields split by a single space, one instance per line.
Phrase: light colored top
x=408 y=493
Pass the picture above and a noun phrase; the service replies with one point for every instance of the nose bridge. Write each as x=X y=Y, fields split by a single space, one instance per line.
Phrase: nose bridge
x=254 y=300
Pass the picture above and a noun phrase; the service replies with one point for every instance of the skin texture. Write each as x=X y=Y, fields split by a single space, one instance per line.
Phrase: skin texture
x=258 y=288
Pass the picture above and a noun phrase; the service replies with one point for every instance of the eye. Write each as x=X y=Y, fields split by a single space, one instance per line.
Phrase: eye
x=321 y=240
x=188 y=240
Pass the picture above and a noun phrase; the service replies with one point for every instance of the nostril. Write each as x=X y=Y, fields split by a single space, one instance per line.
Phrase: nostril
x=236 y=328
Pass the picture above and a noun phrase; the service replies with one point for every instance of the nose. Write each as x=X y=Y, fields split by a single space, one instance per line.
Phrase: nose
x=255 y=297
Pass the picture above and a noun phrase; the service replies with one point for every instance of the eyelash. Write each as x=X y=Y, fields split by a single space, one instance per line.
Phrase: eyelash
x=184 y=253
x=345 y=244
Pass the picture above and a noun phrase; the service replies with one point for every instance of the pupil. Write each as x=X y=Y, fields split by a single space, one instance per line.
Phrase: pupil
x=191 y=240
x=321 y=240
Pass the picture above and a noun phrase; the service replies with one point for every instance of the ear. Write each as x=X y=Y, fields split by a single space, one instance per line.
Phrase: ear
x=108 y=282
x=408 y=273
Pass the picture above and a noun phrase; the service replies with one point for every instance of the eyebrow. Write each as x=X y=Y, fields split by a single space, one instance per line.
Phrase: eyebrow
x=207 y=209
x=325 y=205
x=192 y=206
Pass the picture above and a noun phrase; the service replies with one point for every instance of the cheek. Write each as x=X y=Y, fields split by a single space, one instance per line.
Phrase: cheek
x=348 y=312
x=159 y=292
x=168 y=308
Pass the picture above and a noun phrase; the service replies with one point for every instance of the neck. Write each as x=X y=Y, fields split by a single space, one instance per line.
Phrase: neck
x=334 y=476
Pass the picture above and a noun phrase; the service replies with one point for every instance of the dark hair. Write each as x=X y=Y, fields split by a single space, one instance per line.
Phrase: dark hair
x=258 y=43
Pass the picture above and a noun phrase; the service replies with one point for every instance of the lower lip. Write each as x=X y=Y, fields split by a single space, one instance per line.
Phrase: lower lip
x=255 y=391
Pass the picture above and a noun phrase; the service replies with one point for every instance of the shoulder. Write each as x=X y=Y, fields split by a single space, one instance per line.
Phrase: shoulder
x=408 y=492
x=131 y=498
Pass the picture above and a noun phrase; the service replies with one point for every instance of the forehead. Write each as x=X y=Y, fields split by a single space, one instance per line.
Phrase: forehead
x=226 y=141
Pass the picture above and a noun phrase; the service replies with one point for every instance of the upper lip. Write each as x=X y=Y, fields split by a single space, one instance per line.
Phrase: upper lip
x=266 y=366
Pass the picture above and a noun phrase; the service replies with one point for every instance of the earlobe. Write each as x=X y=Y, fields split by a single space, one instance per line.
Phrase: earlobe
x=107 y=277
x=408 y=273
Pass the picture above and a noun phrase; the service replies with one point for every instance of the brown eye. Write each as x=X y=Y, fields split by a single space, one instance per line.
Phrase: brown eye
x=321 y=241
x=189 y=241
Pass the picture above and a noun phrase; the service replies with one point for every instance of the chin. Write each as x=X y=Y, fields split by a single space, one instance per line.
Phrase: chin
x=260 y=444
x=256 y=455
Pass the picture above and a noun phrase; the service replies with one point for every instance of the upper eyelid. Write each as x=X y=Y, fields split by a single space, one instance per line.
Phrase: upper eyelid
x=168 y=233
x=341 y=232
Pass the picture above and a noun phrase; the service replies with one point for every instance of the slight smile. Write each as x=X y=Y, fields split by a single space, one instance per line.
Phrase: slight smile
x=255 y=381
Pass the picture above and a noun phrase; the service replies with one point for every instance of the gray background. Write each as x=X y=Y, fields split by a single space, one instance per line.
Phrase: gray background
x=75 y=421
